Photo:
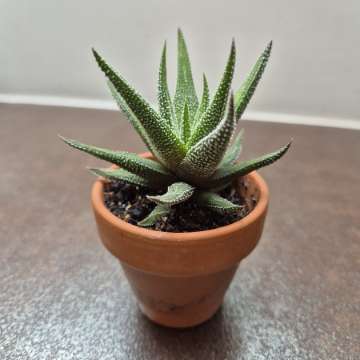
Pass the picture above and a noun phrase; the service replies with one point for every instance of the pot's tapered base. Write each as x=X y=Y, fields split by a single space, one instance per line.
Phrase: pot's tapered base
x=179 y=302
x=180 y=319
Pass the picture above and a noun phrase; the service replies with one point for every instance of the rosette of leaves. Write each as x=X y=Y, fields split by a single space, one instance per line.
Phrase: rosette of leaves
x=189 y=136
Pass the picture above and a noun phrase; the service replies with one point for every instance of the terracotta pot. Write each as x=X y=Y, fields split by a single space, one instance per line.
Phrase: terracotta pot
x=180 y=279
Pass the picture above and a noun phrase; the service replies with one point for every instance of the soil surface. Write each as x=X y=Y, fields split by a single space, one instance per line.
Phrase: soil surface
x=129 y=203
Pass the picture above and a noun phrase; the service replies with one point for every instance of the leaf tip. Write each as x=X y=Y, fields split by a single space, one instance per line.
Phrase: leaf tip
x=268 y=49
x=289 y=143
x=93 y=171
x=66 y=140
x=97 y=56
x=153 y=198
x=285 y=148
x=97 y=172
x=233 y=46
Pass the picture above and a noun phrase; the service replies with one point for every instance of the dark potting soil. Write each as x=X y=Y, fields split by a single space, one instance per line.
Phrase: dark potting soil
x=129 y=203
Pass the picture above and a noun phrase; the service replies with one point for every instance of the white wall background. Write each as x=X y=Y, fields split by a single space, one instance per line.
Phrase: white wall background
x=45 y=48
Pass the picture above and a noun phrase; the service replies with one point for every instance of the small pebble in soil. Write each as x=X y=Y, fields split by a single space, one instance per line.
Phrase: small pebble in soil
x=129 y=203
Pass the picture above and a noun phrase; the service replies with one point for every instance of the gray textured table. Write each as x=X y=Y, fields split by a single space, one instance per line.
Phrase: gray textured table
x=64 y=297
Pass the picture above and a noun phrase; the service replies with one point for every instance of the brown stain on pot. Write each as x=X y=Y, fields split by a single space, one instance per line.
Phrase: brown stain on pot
x=180 y=279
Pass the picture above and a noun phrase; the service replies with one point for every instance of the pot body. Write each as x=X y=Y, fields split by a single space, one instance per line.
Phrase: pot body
x=180 y=279
x=176 y=301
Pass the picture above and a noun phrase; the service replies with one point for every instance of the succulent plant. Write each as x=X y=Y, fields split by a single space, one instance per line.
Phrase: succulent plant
x=188 y=136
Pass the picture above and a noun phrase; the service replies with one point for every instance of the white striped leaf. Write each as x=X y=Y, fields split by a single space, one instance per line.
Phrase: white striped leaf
x=168 y=146
x=158 y=212
x=185 y=125
x=216 y=203
x=176 y=194
x=203 y=158
x=134 y=121
x=233 y=152
x=185 y=89
x=204 y=102
x=247 y=89
x=165 y=103
x=128 y=161
x=230 y=172
x=215 y=111
x=126 y=176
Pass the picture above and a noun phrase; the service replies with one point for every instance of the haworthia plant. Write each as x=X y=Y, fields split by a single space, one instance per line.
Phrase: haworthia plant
x=189 y=136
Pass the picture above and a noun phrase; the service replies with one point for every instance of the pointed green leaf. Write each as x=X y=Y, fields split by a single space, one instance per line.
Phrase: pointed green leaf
x=165 y=104
x=204 y=101
x=229 y=172
x=185 y=125
x=158 y=212
x=215 y=112
x=204 y=157
x=176 y=194
x=185 y=89
x=134 y=121
x=130 y=162
x=246 y=91
x=216 y=203
x=234 y=150
x=121 y=174
x=170 y=150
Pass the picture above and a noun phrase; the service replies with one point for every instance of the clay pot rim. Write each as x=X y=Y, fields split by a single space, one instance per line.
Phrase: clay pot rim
x=178 y=238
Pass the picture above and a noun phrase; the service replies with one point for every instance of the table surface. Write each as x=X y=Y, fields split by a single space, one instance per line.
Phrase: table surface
x=63 y=296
